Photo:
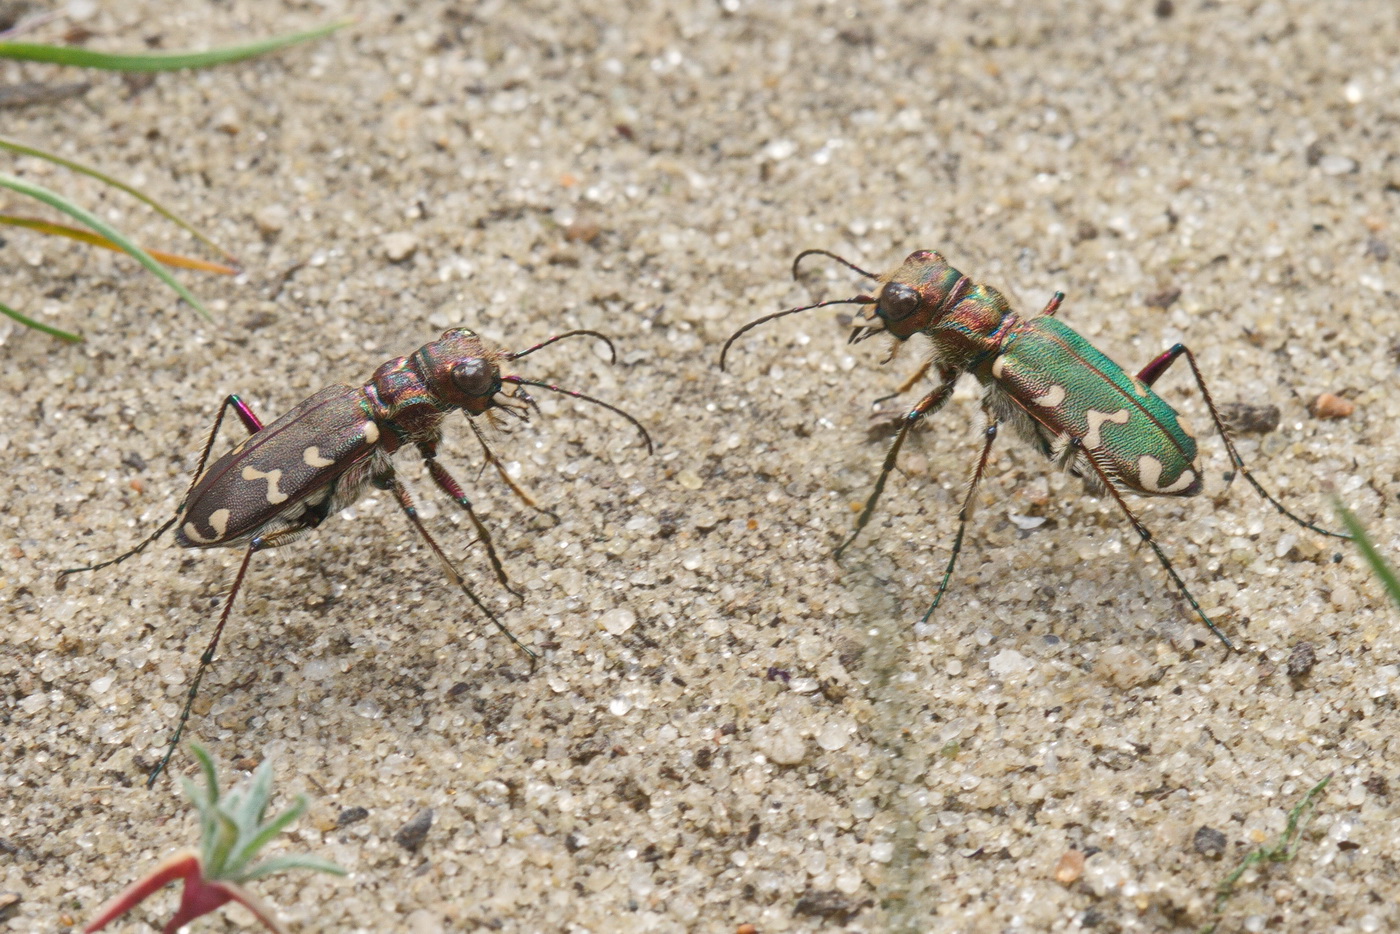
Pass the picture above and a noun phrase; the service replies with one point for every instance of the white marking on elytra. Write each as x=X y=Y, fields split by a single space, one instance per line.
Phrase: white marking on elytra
x=312 y=457
x=1150 y=473
x=1054 y=397
x=371 y=432
x=218 y=521
x=1139 y=386
x=999 y=366
x=273 y=477
x=1096 y=419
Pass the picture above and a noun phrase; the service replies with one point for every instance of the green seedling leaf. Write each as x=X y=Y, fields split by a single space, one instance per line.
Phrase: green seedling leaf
x=20 y=149
x=87 y=218
x=158 y=61
x=231 y=833
x=40 y=326
x=87 y=236
x=1384 y=572
x=270 y=867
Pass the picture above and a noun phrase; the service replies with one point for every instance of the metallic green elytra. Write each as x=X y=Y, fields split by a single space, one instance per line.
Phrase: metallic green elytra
x=1051 y=377
x=1041 y=377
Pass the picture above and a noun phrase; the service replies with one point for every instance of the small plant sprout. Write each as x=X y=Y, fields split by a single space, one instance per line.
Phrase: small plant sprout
x=231 y=833
x=1281 y=851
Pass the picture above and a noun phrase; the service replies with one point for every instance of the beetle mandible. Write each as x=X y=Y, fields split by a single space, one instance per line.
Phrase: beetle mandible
x=1052 y=386
x=286 y=478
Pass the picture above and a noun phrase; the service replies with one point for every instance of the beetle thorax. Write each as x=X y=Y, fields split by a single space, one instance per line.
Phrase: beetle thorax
x=971 y=331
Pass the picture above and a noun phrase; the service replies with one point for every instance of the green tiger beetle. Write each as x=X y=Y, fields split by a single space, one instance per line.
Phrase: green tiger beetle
x=286 y=478
x=1053 y=387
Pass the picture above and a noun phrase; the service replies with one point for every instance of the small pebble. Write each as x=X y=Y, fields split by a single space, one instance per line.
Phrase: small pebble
x=583 y=230
x=270 y=219
x=1070 y=867
x=349 y=816
x=832 y=736
x=831 y=905
x=399 y=246
x=1329 y=406
x=618 y=621
x=1163 y=299
x=227 y=122
x=780 y=744
x=1301 y=660
x=412 y=834
x=1336 y=165
x=1008 y=663
x=1124 y=667
x=1209 y=842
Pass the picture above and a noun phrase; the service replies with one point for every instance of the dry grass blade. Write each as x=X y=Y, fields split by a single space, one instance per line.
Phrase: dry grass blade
x=86 y=236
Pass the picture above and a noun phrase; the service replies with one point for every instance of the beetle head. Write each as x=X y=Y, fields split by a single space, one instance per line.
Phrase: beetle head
x=462 y=371
x=912 y=298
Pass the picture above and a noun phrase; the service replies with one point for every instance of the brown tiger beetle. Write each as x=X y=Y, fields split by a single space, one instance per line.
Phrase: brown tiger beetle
x=286 y=478
x=1053 y=387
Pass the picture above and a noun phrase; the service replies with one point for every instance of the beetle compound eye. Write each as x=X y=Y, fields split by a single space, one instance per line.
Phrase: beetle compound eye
x=897 y=302
x=475 y=377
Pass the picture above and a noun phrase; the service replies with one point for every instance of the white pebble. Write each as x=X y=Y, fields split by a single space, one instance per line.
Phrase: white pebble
x=399 y=246
x=270 y=219
x=1336 y=165
x=832 y=736
x=781 y=744
x=1008 y=663
x=1124 y=667
x=618 y=621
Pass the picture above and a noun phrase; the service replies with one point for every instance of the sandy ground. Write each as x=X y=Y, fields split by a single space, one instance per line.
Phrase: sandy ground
x=727 y=726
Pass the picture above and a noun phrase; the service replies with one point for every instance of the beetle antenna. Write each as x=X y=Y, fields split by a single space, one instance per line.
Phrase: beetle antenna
x=858 y=300
x=521 y=381
x=559 y=337
x=830 y=255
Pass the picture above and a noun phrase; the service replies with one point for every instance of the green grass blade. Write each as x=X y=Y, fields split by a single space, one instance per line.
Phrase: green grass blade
x=60 y=203
x=1363 y=543
x=40 y=326
x=20 y=149
x=158 y=61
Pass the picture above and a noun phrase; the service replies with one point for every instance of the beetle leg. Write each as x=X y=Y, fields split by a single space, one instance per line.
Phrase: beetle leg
x=515 y=488
x=1053 y=305
x=204 y=660
x=928 y=404
x=449 y=485
x=909 y=384
x=249 y=420
x=1141 y=529
x=389 y=481
x=1157 y=367
x=308 y=521
x=964 y=514
x=905 y=386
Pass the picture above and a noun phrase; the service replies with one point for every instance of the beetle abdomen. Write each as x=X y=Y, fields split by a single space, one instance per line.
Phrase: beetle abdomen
x=1069 y=389
x=269 y=473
